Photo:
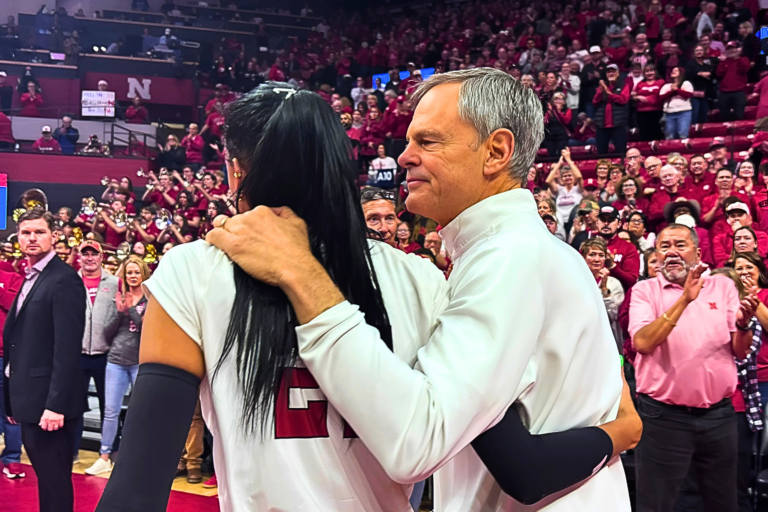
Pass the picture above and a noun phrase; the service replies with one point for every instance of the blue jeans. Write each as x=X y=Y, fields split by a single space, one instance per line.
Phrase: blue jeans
x=416 y=495
x=117 y=379
x=12 y=433
x=700 y=110
x=678 y=124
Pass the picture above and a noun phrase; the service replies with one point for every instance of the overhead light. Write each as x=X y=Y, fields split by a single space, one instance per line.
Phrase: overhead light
x=104 y=49
x=95 y=49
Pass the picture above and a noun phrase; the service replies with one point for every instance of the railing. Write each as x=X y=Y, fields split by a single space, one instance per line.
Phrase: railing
x=117 y=132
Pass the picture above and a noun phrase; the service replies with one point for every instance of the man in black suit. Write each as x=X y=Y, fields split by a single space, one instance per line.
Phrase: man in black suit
x=43 y=336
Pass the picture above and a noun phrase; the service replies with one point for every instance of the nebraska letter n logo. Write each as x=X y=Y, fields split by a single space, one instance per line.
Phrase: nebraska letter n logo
x=139 y=89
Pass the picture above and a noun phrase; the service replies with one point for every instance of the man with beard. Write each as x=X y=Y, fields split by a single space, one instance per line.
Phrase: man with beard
x=687 y=326
x=352 y=132
x=626 y=259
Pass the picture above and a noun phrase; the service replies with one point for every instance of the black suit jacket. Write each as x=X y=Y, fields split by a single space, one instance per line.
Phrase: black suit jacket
x=42 y=343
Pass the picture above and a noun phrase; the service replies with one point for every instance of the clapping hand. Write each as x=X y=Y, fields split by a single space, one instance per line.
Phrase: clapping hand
x=693 y=282
x=604 y=274
x=748 y=307
x=120 y=302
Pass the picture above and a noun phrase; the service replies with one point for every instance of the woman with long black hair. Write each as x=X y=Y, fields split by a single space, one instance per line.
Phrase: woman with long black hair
x=278 y=444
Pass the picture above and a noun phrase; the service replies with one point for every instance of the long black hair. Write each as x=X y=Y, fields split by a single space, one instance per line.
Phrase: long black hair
x=295 y=153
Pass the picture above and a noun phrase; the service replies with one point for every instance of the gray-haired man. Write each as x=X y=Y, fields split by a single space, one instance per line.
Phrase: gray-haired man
x=502 y=340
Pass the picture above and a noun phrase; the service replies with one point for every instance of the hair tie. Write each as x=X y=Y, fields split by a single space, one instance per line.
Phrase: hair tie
x=288 y=92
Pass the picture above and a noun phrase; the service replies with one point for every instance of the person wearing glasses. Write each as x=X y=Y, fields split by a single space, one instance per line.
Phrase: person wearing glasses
x=403 y=239
x=379 y=211
x=630 y=197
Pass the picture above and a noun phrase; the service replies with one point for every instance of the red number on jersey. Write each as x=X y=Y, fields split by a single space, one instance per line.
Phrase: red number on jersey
x=301 y=410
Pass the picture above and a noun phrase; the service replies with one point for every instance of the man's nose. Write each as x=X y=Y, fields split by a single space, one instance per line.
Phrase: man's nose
x=407 y=158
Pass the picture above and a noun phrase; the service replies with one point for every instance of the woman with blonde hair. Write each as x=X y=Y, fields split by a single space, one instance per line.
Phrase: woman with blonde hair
x=679 y=162
x=595 y=252
x=123 y=360
x=601 y=170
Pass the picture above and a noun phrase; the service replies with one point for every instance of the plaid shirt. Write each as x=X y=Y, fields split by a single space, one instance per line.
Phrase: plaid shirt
x=747 y=373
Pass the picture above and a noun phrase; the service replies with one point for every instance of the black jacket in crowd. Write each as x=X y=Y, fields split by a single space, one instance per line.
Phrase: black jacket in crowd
x=42 y=343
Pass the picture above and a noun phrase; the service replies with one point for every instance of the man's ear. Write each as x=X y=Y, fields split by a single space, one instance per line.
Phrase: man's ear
x=500 y=147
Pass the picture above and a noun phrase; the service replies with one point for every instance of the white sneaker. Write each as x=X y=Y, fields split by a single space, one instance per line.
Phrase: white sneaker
x=99 y=467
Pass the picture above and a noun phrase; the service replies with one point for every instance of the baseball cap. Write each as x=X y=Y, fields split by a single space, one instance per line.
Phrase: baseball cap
x=732 y=44
x=587 y=206
x=591 y=183
x=3 y=73
x=717 y=142
x=595 y=49
x=91 y=244
x=550 y=217
x=760 y=137
x=737 y=206
x=609 y=211
x=401 y=99
x=612 y=66
x=46 y=129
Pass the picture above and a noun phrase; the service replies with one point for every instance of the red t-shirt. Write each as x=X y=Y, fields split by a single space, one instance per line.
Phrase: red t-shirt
x=214 y=123
x=92 y=286
x=47 y=146
x=112 y=237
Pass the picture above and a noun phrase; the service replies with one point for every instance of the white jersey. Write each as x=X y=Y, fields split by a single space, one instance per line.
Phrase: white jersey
x=307 y=462
x=525 y=323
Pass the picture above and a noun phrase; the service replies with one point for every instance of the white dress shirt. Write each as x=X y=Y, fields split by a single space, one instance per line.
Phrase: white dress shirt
x=525 y=323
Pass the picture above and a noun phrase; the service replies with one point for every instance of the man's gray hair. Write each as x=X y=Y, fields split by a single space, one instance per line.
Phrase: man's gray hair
x=682 y=227
x=490 y=99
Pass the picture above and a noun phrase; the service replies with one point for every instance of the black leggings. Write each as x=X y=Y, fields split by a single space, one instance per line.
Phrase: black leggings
x=555 y=146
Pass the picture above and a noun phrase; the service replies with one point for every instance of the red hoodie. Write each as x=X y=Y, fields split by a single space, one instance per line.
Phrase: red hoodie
x=733 y=74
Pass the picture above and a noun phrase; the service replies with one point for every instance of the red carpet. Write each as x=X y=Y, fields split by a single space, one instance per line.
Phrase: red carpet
x=21 y=495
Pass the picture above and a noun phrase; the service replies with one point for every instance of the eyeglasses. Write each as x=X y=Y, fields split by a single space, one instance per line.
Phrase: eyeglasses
x=373 y=194
x=636 y=221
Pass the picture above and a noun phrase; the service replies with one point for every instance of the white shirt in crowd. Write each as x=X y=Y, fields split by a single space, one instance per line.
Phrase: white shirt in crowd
x=572 y=98
x=677 y=103
x=526 y=324
x=383 y=163
x=704 y=22
x=566 y=201
x=195 y=285
x=359 y=94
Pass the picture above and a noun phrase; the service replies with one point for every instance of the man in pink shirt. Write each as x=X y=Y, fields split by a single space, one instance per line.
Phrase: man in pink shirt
x=687 y=327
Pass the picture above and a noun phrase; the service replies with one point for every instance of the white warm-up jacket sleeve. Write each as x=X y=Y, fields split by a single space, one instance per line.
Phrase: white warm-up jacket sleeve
x=467 y=375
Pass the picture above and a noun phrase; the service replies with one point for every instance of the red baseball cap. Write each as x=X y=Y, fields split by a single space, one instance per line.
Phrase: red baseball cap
x=591 y=182
x=760 y=137
x=91 y=244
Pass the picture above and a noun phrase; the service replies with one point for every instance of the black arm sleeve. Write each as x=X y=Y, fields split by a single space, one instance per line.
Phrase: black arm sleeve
x=156 y=427
x=531 y=467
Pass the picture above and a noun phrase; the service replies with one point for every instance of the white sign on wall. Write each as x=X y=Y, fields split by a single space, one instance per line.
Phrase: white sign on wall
x=97 y=103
